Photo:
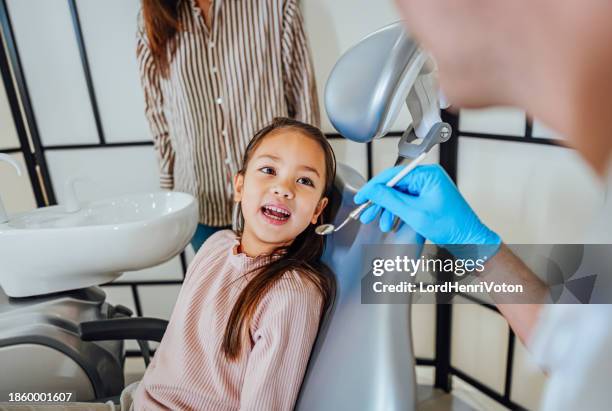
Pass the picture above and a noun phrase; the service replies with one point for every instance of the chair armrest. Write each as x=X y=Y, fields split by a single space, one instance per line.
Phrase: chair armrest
x=140 y=328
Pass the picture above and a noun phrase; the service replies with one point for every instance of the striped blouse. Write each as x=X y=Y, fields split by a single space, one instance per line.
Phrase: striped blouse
x=224 y=84
x=189 y=371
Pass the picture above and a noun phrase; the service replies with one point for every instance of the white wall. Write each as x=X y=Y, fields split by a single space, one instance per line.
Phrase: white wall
x=528 y=193
x=16 y=192
x=51 y=64
x=109 y=32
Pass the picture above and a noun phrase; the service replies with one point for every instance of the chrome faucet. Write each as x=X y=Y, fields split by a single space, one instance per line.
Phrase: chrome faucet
x=14 y=163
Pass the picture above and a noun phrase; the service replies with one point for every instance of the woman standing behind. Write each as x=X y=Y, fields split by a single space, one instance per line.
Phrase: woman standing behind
x=213 y=73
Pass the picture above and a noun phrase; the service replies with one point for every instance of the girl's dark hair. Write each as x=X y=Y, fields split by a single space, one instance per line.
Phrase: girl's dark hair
x=303 y=255
x=161 y=21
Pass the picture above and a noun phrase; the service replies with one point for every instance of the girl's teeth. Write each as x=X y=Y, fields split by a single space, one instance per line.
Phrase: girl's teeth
x=276 y=213
x=278 y=210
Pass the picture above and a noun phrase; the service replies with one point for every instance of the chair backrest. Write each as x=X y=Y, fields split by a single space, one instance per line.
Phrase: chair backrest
x=363 y=357
x=370 y=83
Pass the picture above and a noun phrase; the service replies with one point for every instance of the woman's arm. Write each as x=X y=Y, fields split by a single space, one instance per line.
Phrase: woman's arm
x=298 y=71
x=286 y=325
x=149 y=78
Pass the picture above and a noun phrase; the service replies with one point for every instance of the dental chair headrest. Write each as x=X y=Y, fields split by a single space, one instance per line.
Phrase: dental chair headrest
x=369 y=84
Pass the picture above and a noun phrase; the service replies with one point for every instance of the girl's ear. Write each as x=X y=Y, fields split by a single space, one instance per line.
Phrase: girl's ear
x=320 y=207
x=238 y=187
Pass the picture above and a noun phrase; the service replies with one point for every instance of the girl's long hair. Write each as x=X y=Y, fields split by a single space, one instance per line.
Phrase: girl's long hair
x=161 y=21
x=303 y=255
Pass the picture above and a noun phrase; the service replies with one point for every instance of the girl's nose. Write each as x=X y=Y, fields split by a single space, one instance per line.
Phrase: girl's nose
x=282 y=190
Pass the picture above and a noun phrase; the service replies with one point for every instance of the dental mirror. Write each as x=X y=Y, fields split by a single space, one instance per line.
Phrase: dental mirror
x=325 y=229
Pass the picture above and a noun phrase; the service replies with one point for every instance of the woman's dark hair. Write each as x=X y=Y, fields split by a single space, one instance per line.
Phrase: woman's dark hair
x=161 y=21
x=303 y=255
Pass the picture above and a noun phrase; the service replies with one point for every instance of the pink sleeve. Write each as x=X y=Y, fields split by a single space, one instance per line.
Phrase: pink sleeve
x=287 y=325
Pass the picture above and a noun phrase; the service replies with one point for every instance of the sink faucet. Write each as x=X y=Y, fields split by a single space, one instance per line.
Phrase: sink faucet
x=71 y=202
x=14 y=163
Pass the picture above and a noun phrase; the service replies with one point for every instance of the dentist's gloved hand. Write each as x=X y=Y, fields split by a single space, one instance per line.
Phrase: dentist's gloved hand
x=429 y=202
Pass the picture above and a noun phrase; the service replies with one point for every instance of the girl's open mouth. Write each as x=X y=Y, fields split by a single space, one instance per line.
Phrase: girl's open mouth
x=275 y=214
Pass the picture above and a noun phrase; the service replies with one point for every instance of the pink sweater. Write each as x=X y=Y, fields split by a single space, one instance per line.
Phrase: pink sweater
x=189 y=371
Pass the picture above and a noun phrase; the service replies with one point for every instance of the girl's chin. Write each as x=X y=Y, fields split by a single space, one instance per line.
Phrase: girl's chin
x=271 y=231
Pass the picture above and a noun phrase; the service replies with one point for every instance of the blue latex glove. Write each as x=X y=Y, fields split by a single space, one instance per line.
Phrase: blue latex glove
x=429 y=202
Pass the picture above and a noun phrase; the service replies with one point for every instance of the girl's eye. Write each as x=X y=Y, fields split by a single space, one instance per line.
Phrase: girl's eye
x=306 y=181
x=267 y=170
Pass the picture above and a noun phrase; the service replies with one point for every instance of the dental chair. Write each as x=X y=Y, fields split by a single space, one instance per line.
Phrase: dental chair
x=363 y=357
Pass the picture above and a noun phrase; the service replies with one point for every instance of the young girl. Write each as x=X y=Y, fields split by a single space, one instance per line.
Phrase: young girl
x=248 y=313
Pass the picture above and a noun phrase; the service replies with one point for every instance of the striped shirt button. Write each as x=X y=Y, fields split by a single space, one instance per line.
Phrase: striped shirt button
x=219 y=100
x=211 y=44
x=213 y=69
x=227 y=160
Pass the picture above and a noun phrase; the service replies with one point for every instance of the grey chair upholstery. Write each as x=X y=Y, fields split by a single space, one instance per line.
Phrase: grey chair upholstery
x=363 y=357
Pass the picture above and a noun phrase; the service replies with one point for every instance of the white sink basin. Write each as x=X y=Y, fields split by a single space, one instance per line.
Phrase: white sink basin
x=48 y=250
